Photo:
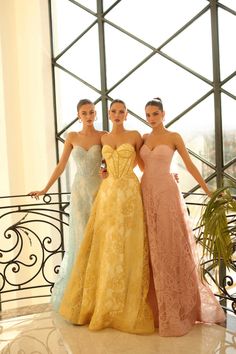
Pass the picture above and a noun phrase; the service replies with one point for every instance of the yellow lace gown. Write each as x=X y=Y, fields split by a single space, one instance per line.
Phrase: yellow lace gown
x=110 y=279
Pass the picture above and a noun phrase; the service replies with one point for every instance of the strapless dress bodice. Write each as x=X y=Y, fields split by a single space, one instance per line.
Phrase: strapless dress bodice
x=120 y=161
x=87 y=161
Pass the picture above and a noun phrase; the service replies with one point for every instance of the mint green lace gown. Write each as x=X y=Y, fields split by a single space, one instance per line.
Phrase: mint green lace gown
x=84 y=189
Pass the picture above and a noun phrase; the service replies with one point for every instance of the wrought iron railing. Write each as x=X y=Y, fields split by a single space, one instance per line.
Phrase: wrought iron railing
x=31 y=245
x=32 y=237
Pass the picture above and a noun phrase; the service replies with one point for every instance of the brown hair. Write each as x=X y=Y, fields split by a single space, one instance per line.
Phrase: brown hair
x=82 y=102
x=155 y=102
x=117 y=101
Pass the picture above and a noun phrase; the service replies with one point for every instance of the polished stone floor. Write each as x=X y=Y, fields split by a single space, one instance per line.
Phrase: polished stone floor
x=46 y=332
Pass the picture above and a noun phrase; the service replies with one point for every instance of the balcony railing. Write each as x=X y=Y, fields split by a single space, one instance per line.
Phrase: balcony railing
x=32 y=242
x=32 y=236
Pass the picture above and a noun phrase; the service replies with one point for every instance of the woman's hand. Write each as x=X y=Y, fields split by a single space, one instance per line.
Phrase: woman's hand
x=103 y=169
x=36 y=194
x=176 y=177
x=103 y=173
x=210 y=194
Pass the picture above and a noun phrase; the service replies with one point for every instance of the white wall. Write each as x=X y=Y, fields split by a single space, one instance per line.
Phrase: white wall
x=27 y=135
x=26 y=122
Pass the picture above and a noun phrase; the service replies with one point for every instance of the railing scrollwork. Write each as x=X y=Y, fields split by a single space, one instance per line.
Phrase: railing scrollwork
x=32 y=246
x=32 y=237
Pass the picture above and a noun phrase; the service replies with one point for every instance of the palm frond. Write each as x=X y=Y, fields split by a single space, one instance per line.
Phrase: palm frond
x=217 y=225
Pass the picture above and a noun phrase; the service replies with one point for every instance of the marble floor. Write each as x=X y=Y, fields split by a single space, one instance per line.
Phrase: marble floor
x=46 y=332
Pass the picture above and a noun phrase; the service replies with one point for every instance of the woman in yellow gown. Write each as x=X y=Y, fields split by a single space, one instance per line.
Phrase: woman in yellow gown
x=110 y=279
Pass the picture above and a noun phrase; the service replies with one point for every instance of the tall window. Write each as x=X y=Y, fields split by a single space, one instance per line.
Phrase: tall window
x=180 y=51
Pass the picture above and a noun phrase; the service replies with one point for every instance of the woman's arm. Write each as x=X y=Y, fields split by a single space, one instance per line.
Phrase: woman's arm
x=139 y=159
x=192 y=169
x=58 y=170
x=138 y=145
x=104 y=138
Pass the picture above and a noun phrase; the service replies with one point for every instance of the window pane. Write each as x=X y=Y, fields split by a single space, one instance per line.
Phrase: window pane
x=153 y=21
x=107 y=4
x=230 y=86
x=192 y=49
x=160 y=78
x=83 y=58
x=229 y=127
x=227 y=27
x=186 y=181
x=68 y=93
x=197 y=128
x=231 y=170
x=229 y=3
x=90 y=4
x=66 y=26
x=122 y=54
x=212 y=184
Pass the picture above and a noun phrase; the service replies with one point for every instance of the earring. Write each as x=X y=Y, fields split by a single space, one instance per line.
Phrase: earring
x=79 y=120
x=96 y=118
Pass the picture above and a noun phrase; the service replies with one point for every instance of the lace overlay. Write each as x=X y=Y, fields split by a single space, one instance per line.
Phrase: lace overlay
x=84 y=189
x=177 y=295
x=110 y=280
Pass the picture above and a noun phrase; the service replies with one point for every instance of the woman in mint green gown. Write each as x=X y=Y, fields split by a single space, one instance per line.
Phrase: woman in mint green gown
x=85 y=147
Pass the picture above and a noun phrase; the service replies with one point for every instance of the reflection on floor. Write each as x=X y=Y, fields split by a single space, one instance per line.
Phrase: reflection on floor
x=47 y=332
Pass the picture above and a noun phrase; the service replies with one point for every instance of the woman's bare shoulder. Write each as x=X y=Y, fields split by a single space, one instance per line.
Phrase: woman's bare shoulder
x=71 y=135
x=104 y=136
x=145 y=136
x=134 y=133
x=102 y=132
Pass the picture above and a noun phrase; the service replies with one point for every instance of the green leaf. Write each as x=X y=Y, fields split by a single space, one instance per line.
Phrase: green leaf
x=216 y=227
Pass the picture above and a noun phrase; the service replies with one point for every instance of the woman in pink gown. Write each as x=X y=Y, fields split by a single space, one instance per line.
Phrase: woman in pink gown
x=178 y=297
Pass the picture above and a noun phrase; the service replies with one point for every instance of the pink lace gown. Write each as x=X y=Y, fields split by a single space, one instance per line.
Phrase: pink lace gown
x=177 y=294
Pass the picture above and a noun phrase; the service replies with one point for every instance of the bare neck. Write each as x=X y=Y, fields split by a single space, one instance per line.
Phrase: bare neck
x=159 y=130
x=88 y=130
x=118 y=129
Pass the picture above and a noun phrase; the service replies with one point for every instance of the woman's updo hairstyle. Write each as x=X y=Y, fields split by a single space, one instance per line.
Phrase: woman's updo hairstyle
x=155 y=102
x=82 y=102
x=117 y=101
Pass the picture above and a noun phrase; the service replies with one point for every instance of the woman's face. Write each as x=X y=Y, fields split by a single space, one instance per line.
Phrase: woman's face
x=118 y=113
x=87 y=114
x=154 y=116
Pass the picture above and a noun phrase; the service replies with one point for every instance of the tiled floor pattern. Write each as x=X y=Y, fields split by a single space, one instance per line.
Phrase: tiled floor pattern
x=46 y=332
